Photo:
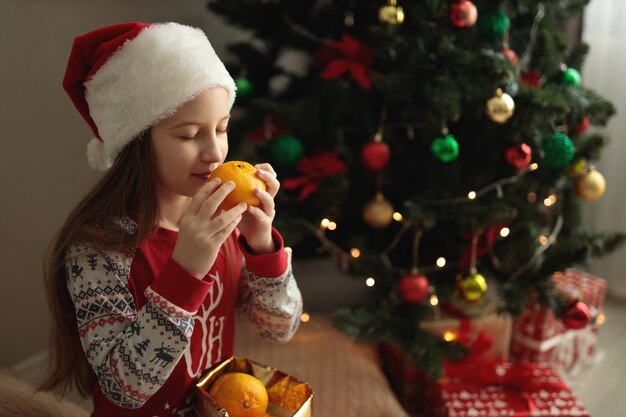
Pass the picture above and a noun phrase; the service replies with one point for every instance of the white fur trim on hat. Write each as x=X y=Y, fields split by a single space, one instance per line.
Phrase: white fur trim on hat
x=147 y=80
x=96 y=155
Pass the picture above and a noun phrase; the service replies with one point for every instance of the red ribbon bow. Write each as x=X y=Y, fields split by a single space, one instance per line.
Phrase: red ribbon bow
x=315 y=169
x=347 y=55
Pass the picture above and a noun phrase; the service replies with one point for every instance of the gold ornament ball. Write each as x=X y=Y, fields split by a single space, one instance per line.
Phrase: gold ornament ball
x=473 y=287
x=576 y=168
x=500 y=107
x=391 y=14
x=378 y=213
x=590 y=185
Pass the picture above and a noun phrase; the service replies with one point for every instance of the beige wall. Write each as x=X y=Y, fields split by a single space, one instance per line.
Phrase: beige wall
x=43 y=169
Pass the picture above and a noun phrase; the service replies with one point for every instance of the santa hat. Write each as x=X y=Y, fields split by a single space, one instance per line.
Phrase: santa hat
x=124 y=78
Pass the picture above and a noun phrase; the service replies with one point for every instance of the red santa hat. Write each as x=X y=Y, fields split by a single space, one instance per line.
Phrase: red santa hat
x=125 y=78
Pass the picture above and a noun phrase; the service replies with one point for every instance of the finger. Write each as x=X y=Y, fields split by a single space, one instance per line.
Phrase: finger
x=266 y=167
x=262 y=215
x=203 y=193
x=226 y=217
x=267 y=201
x=222 y=234
x=270 y=181
x=209 y=206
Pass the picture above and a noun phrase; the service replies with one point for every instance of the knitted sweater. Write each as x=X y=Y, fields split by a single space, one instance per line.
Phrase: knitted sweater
x=150 y=329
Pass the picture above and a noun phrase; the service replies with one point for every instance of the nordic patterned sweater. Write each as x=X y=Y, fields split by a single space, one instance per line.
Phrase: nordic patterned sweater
x=150 y=329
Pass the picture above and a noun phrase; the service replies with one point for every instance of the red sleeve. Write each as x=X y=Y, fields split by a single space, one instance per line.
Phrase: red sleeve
x=269 y=265
x=180 y=287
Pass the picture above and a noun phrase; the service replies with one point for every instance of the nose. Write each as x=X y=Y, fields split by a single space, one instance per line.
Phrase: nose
x=211 y=151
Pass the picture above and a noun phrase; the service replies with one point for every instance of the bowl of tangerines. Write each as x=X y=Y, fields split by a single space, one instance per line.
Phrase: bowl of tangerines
x=240 y=387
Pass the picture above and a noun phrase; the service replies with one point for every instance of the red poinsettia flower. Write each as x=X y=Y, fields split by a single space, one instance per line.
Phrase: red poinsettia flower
x=315 y=169
x=347 y=55
x=268 y=130
x=485 y=241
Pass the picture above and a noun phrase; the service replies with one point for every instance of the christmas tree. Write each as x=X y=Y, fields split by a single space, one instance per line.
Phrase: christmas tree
x=431 y=148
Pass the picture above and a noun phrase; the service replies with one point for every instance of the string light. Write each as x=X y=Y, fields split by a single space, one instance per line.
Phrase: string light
x=305 y=317
x=441 y=262
x=550 y=200
x=471 y=195
x=397 y=216
x=600 y=319
x=355 y=252
x=288 y=249
x=324 y=223
x=543 y=239
x=504 y=232
x=449 y=336
x=332 y=226
x=533 y=166
x=370 y=281
x=434 y=300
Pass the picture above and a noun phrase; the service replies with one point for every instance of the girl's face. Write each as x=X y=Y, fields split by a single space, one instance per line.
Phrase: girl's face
x=191 y=143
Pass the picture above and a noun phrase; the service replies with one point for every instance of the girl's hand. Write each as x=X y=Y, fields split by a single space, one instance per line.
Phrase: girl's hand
x=256 y=222
x=202 y=232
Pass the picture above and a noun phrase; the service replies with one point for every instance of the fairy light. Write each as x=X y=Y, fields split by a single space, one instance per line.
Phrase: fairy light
x=332 y=226
x=471 y=195
x=533 y=166
x=449 y=336
x=543 y=239
x=324 y=223
x=441 y=262
x=397 y=216
x=550 y=200
x=355 y=252
x=288 y=249
x=600 y=319
x=434 y=300
x=370 y=281
x=532 y=197
x=305 y=317
x=504 y=232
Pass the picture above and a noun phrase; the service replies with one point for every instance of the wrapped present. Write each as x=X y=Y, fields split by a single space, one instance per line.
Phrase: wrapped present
x=495 y=388
x=477 y=325
x=486 y=334
x=287 y=396
x=539 y=336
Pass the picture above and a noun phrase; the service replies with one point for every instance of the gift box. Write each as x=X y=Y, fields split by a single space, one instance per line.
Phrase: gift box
x=288 y=397
x=486 y=334
x=539 y=336
x=497 y=389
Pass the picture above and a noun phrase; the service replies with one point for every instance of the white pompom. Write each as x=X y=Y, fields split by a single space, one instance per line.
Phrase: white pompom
x=96 y=155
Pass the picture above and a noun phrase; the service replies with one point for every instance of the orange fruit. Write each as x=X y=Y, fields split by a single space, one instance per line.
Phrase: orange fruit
x=244 y=176
x=240 y=394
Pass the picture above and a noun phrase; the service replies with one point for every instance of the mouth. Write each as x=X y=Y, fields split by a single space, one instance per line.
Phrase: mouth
x=204 y=176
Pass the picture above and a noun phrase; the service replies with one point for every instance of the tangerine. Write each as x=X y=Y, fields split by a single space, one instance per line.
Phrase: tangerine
x=244 y=176
x=240 y=394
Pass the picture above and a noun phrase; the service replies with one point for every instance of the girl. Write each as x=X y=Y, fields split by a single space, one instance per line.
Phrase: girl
x=145 y=275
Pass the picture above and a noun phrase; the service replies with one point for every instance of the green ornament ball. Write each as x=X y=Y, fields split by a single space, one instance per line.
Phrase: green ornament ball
x=571 y=77
x=286 y=150
x=492 y=24
x=244 y=87
x=558 y=151
x=445 y=148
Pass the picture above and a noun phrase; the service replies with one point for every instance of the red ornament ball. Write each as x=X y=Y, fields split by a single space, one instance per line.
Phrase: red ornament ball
x=576 y=315
x=510 y=55
x=413 y=288
x=463 y=14
x=375 y=155
x=582 y=126
x=518 y=156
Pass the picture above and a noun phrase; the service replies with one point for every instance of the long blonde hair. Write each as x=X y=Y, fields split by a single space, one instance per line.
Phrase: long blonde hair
x=129 y=186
